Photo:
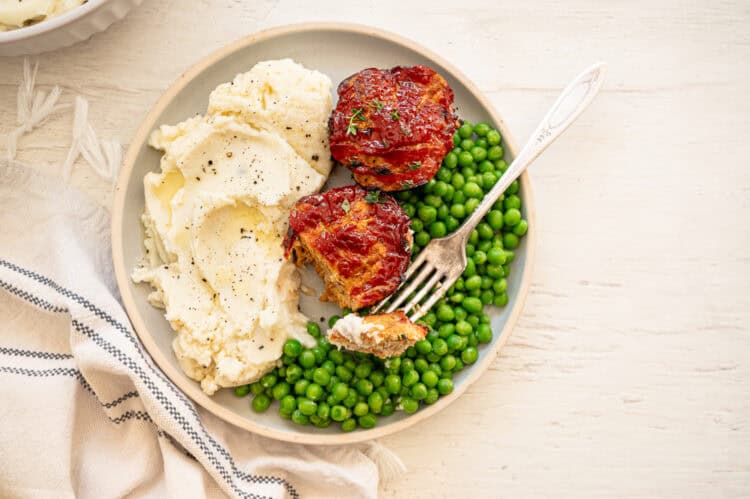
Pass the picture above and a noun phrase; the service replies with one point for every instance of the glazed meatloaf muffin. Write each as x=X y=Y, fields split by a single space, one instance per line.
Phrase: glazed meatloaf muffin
x=383 y=335
x=359 y=242
x=393 y=127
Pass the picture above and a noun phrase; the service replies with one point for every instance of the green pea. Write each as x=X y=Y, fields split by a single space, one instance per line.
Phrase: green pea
x=470 y=269
x=392 y=365
x=487 y=296
x=466 y=130
x=293 y=347
x=281 y=390
x=479 y=257
x=500 y=166
x=510 y=240
x=419 y=391
x=488 y=180
x=486 y=167
x=448 y=362
x=368 y=421
x=506 y=269
x=445 y=386
x=461 y=313
x=511 y=202
x=388 y=409
x=313 y=330
x=495 y=271
x=478 y=153
x=300 y=418
x=307 y=359
x=481 y=129
x=472 y=190
x=393 y=384
x=430 y=319
x=363 y=370
x=450 y=160
x=332 y=320
x=409 y=405
x=261 y=402
x=432 y=396
x=429 y=186
x=349 y=425
x=440 y=347
x=300 y=387
x=406 y=365
x=375 y=402
x=288 y=403
x=451 y=223
x=438 y=229
x=457 y=181
x=319 y=353
x=421 y=365
x=470 y=355
x=471 y=205
x=463 y=328
x=360 y=409
x=339 y=413
x=314 y=391
x=339 y=391
x=242 y=390
x=512 y=217
x=410 y=378
x=430 y=379
x=344 y=373
x=321 y=376
x=268 y=380
x=521 y=227
x=456 y=138
x=377 y=378
x=293 y=373
x=364 y=387
x=496 y=256
x=351 y=398
x=493 y=137
x=409 y=209
x=417 y=225
x=467 y=145
x=500 y=285
x=473 y=306
x=464 y=159
x=484 y=333
x=459 y=365
x=446 y=330
x=473 y=320
x=495 y=219
x=422 y=238
x=500 y=300
x=495 y=152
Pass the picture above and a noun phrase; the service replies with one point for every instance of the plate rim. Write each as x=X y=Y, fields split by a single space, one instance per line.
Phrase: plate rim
x=189 y=387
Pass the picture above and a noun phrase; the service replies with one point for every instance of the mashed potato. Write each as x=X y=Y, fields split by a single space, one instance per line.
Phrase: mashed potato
x=216 y=216
x=19 y=13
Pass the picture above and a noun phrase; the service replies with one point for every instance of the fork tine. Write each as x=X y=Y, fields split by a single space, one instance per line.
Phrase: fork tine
x=422 y=292
x=417 y=263
x=403 y=295
x=421 y=310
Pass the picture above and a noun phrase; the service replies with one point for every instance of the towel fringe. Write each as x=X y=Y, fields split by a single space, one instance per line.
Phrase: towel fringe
x=33 y=107
x=390 y=466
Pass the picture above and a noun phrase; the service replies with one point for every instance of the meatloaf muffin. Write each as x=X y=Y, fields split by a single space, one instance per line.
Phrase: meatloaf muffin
x=359 y=242
x=393 y=127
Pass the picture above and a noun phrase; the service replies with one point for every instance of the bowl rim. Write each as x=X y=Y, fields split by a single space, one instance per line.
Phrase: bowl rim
x=189 y=387
x=50 y=24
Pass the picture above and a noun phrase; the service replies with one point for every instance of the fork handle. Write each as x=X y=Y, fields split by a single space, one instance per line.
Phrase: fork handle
x=575 y=98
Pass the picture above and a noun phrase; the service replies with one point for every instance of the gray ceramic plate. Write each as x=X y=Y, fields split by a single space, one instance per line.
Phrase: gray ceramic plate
x=337 y=50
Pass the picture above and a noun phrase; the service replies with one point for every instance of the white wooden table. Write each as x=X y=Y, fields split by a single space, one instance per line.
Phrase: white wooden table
x=628 y=374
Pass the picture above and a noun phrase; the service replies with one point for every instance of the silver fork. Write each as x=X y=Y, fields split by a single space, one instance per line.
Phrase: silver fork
x=443 y=260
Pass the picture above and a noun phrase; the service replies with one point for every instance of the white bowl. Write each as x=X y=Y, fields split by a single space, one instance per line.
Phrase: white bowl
x=337 y=50
x=66 y=29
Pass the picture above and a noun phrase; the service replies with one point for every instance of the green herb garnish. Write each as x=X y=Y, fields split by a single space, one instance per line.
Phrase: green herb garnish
x=374 y=197
x=345 y=206
x=377 y=105
x=356 y=115
x=415 y=165
x=394 y=115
